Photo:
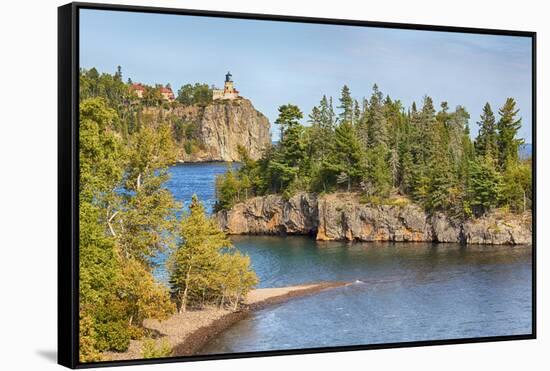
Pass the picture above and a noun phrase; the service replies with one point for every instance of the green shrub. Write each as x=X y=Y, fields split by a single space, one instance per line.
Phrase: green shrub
x=156 y=349
x=188 y=147
x=88 y=352
x=112 y=336
x=191 y=130
x=371 y=200
x=399 y=202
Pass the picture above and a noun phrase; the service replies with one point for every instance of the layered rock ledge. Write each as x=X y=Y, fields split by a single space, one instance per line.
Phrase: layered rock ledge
x=341 y=216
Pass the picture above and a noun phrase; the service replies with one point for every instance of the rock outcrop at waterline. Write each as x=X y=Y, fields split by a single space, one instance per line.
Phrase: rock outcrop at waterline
x=342 y=216
x=272 y=215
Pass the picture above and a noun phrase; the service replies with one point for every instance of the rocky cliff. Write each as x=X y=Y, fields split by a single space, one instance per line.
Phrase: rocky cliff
x=341 y=216
x=222 y=127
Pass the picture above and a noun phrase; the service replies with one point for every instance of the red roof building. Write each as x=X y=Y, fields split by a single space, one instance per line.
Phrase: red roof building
x=167 y=94
x=138 y=89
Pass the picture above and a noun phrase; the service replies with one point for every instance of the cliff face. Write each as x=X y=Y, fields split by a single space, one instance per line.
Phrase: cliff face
x=272 y=215
x=224 y=126
x=342 y=217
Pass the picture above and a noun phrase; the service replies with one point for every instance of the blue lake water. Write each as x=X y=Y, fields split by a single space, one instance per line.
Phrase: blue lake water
x=401 y=292
x=188 y=179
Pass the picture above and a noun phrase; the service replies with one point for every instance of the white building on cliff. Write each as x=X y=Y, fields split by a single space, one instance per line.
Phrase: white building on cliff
x=228 y=92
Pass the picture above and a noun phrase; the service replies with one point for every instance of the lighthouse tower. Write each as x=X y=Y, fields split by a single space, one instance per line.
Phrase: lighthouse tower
x=228 y=92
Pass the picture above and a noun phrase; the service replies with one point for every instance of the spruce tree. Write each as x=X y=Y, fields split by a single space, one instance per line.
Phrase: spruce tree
x=349 y=156
x=332 y=119
x=290 y=155
x=508 y=127
x=429 y=130
x=457 y=126
x=315 y=116
x=393 y=117
x=362 y=124
x=486 y=143
x=379 y=173
x=320 y=133
x=326 y=114
x=377 y=129
x=356 y=113
x=485 y=186
x=346 y=105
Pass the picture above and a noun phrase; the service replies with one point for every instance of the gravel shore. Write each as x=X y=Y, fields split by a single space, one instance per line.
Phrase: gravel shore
x=190 y=331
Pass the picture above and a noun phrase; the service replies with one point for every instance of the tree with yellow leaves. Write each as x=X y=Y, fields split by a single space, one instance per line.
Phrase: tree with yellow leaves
x=202 y=268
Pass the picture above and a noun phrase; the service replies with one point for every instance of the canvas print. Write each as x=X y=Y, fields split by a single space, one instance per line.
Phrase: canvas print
x=260 y=185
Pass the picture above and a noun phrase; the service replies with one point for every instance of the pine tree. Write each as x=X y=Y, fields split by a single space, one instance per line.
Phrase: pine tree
x=118 y=73
x=440 y=168
x=317 y=139
x=394 y=166
x=458 y=131
x=327 y=115
x=406 y=163
x=349 y=156
x=377 y=129
x=346 y=105
x=289 y=116
x=379 y=173
x=315 y=117
x=486 y=143
x=324 y=114
x=508 y=127
x=485 y=186
x=423 y=134
x=332 y=119
x=362 y=124
x=442 y=183
x=292 y=147
x=428 y=128
x=443 y=114
x=356 y=113
x=287 y=160
x=393 y=116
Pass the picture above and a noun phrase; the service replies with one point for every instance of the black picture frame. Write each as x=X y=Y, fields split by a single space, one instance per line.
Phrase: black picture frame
x=68 y=178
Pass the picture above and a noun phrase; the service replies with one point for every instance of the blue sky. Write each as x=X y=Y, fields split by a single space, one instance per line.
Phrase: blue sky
x=275 y=63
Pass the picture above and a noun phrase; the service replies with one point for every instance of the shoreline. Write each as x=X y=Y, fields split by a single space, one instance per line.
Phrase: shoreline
x=342 y=216
x=187 y=333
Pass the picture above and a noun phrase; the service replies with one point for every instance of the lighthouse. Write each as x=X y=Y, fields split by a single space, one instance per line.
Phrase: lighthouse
x=228 y=92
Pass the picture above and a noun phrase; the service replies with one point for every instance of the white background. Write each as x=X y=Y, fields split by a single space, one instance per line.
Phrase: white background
x=28 y=155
